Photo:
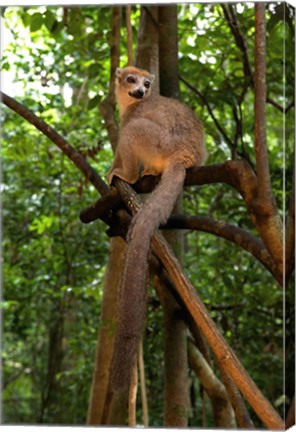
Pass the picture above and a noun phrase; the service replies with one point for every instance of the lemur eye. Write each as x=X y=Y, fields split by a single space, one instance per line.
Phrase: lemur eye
x=131 y=80
x=147 y=84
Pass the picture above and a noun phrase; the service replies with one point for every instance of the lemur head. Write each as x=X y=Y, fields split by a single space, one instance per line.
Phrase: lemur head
x=133 y=85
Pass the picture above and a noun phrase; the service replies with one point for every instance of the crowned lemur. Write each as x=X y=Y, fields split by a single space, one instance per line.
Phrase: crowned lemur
x=158 y=135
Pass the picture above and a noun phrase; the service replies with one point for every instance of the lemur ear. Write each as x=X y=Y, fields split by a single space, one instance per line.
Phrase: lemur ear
x=118 y=72
x=152 y=78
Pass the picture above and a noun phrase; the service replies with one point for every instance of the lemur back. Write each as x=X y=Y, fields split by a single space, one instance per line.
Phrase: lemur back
x=156 y=131
x=158 y=135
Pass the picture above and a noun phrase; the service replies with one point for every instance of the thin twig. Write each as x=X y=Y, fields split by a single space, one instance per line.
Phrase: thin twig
x=211 y=112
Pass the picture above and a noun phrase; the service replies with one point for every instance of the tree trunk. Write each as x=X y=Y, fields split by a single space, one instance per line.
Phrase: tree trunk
x=147 y=44
x=106 y=336
x=168 y=52
x=49 y=411
x=176 y=385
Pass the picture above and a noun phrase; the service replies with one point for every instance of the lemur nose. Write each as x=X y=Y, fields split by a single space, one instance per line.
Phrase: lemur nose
x=138 y=94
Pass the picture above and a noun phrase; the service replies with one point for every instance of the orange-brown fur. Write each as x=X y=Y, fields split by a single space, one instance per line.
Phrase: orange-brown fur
x=158 y=136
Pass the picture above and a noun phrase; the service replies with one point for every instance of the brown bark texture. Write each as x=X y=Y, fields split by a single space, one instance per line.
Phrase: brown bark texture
x=255 y=189
x=106 y=334
x=196 y=308
x=222 y=409
x=176 y=390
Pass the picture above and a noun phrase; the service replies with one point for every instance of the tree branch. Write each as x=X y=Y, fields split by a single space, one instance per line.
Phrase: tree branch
x=57 y=139
x=237 y=401
x=237 y=174
x=234 y=25
x=240 y=176
x=222 y=408
x=236 y=235
x=263 y=174
x=210 y=110
x=201 y=317
x=240 y=40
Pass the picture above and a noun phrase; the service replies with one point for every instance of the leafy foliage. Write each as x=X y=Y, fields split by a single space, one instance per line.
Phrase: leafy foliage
x=54 y=266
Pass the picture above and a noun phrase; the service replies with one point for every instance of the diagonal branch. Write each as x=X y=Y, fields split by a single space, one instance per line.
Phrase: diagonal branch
x=210 y=110
x=201 y=317
x=55 y=137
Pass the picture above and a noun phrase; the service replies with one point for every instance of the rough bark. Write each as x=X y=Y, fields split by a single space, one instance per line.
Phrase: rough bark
x=264 y=203
x=176 y=391
x=237 y=402
x=132 y=399
x=147 y=43
x=106 y=334
x=226 y=173
x=222 y=409
x=196 y=308
x=168 y=51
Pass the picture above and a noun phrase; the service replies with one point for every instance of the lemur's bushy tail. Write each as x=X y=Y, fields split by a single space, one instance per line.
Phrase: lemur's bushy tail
x=133 y=286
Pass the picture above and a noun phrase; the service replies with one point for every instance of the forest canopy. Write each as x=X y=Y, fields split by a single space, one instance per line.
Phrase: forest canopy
x=56 y=62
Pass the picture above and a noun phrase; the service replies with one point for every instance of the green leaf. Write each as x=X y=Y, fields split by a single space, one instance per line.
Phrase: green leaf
x=93 y=102
x=94 y=70
x=36 y=21
x=50 y=20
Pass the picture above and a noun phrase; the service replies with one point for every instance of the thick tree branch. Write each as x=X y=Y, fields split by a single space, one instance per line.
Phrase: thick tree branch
x=263 y=174
x=221 y=173
x=239 y=175
x=196 y=308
